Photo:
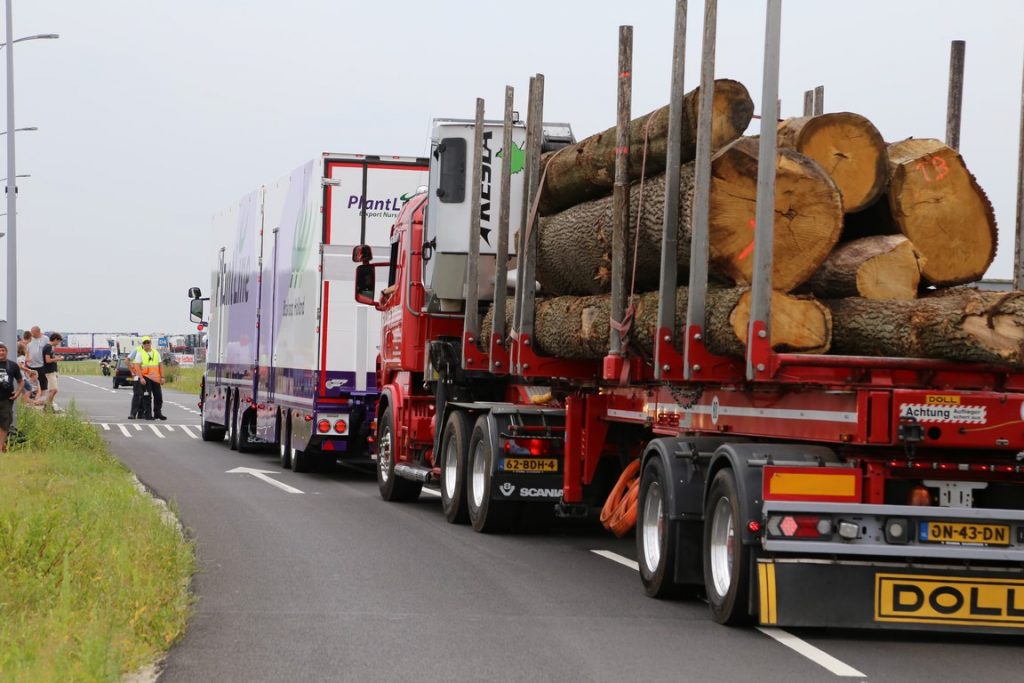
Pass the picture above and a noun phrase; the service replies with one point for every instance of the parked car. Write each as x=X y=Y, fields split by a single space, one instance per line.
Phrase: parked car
x=122 y=374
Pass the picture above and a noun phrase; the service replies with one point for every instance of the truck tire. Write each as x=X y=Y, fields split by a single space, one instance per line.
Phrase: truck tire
x=486 y=515
x=726 y=558
x=233 y=423
x=656 y=534
x=117 y=383
x=285 y=447
x=246 y=429
x=212 y=432
x=301 y=460
x=454 y=452
x=392 y=488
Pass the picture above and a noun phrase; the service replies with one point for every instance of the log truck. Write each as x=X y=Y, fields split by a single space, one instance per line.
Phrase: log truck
x=789 y=489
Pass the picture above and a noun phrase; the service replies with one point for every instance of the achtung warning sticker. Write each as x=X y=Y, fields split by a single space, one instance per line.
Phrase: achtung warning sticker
x=930 y=412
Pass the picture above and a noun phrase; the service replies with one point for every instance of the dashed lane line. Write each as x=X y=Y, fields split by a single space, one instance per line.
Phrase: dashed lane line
x=816 y=655
x=798 y=645
x=615 y=557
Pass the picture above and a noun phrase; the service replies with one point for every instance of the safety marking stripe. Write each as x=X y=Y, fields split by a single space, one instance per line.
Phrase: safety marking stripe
x=105 y=426
x=169 y=428
x=187 y=430
x=780 y=413
x=138 y=427
x=124 y=431
x=157 y=431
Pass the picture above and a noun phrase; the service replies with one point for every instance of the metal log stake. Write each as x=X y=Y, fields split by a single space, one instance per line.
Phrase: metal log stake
x=670 y=224
x=955 y=98
x=471 y=293
x=759 y=329
x=498 y=330
x=697 y=298
x=620 y=190
x=1018 y=265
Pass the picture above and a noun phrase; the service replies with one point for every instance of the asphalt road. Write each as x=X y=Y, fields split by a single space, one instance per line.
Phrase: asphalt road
x=334 y=584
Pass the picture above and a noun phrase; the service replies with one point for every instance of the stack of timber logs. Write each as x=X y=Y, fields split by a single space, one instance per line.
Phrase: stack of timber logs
x=586 y=170
x=574 y=246
x=871 y=241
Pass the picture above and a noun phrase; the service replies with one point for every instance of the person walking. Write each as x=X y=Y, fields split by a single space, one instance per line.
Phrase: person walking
x=11 y=385
x=149 y=375
x=28 y=393
x=50 y=369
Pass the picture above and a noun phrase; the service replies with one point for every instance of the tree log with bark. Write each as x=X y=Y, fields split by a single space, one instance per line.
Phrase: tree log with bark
x=586 y=170
x=848 y=147
x=957 y=325
x=576 y=327
x=574 y=246
x=935 y=201
x=879 y=267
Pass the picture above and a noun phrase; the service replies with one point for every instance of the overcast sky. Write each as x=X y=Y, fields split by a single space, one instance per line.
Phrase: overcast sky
x=155 y=114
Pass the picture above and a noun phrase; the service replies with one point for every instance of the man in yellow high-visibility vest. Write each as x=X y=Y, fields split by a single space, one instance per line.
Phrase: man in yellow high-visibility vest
x=149 y=375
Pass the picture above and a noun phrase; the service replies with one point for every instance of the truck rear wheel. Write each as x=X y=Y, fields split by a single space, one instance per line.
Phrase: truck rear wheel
x=656 y=534
x=285 y=447
x=212 y=432
x=246 y=429
x=485 y=515
x=392 y=488
x=726 y=558
x=454 y=451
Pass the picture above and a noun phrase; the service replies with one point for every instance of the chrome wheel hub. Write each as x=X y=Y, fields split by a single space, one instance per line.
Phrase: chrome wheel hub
x=652 y=527
x=721 y=551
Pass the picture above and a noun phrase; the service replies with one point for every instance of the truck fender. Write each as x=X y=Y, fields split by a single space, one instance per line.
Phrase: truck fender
x=740 y=456
x=684 y=500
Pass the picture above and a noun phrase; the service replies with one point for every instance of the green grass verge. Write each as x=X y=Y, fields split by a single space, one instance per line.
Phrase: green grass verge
x=93 y=581
x=79 y=367
x=184 y=379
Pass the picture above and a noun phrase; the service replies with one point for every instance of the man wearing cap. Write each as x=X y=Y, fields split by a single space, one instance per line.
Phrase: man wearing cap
x=11 y=384
x=149 y=375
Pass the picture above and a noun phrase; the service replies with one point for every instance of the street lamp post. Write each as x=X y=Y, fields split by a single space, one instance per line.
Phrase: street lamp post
x=9 y=327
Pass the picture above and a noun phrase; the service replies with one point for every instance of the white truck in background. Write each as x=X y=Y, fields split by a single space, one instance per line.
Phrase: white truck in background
x=291 y=358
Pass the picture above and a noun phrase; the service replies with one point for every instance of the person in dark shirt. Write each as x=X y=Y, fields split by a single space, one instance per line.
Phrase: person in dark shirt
x=11 y=384
x=50 y=370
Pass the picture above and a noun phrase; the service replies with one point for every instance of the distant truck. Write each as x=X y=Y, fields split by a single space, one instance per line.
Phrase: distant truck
x=291 y=358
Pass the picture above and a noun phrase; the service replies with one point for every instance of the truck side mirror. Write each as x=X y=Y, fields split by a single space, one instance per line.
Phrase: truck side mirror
x=366 y=284
x=195 y=310
x=194 y=293
x=362 y=253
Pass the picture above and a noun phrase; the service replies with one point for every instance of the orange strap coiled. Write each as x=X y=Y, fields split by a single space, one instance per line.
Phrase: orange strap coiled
x=619 y=512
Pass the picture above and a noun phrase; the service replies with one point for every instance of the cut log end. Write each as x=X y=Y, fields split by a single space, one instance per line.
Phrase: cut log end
x=798 y=325
x=892 y=275
x=937 y=203
x=848 y=147
x=808 y=215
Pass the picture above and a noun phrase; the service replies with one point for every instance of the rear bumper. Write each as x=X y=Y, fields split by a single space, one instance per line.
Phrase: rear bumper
x=885 y=595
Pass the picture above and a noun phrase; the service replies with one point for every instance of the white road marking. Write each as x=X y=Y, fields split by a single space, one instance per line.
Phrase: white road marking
x=798 y=645
x=124 y=431
x=262 y=476
x=94 y=386
x=105 y=426
x=615 y=557
x=816 y=655
x=169 y=428
x=138 y=427
x=157 y=431
x=187 y=430
x=431 y=492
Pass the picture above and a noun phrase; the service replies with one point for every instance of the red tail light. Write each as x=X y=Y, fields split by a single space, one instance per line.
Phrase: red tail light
x=323 y=426
x=340 y=426
x=531 y=446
